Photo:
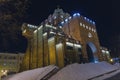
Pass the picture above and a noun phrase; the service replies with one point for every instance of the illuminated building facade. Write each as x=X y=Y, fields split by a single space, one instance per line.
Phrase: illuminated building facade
x=10 y=62
x=105 y=54
x=61 y=39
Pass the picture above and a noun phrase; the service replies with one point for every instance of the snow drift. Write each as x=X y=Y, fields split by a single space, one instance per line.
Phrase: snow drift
x=71 y=72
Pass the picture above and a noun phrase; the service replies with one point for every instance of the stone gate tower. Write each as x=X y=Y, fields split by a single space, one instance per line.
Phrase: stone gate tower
x=60 y=40
x=84 y=30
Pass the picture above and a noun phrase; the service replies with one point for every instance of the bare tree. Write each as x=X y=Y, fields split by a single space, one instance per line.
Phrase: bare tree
x=12 y=15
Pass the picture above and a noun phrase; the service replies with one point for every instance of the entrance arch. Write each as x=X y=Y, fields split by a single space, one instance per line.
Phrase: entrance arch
x=91 y=51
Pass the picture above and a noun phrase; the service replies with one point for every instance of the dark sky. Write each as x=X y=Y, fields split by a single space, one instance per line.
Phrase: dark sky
x=106 y=14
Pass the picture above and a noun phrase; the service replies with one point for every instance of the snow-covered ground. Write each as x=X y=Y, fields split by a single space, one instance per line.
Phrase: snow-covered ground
x=33 y=74
x=71 y=72
x=83 y=71
x=107 y=75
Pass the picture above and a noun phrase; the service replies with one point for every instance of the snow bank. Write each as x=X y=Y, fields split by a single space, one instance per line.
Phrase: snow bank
x=83 y=71
x=35 y=74
x=71 y=72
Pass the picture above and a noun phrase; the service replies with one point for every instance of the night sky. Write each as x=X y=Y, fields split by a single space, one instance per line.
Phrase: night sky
x=106 y=14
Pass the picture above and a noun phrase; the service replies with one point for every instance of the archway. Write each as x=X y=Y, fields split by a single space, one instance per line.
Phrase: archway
x=91 y=50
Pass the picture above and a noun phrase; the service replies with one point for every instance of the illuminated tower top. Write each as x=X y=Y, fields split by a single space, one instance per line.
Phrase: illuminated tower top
x=57 y=17
x=59 y=13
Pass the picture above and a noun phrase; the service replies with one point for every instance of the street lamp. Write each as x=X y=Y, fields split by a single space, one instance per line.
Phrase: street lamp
x=4 y=72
